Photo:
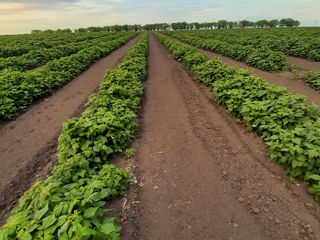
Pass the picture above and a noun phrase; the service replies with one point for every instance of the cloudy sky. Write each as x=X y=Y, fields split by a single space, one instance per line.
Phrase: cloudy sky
x=21 y=16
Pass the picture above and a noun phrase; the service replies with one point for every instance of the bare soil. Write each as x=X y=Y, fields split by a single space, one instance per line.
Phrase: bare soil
x=303 y=64
x=284 y=79
x=200 y=175
x=38 y=68
x=29 y=143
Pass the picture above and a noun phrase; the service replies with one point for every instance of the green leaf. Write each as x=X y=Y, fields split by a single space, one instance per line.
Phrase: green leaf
x=315 y=177
x=64 y=228
x=313 y=153
x=32 y=227
x=90 y=212
x=48 y=221
x=39 y=214
x=86 y=231
x=108 y=228
x=62 y=220
x=26 y=236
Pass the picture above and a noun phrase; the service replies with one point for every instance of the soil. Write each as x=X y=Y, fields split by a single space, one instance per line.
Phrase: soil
x=29 y=143
x=38 y=68
x=200 y=175
x=284 y=79
x=303 y=64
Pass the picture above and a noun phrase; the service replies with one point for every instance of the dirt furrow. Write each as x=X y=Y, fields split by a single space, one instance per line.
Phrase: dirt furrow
x=303 y=64
x=284 y=79
x=202 y=175
x=29 y=144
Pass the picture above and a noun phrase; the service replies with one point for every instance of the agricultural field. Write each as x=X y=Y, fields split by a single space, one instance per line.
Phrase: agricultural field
x=164 y=134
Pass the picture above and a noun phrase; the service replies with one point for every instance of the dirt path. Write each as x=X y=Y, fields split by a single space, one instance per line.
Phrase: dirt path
x=285 y=79
x=28 y=144
x=303 y=64
x=37 y=68
x=204 y=176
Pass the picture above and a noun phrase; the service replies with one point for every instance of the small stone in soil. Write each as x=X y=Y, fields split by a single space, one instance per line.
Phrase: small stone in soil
x=255 y=210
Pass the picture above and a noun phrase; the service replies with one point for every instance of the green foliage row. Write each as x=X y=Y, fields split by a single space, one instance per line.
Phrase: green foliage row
x=70 y=203
x=298 y=42
x=18 y=90
x=35 y=58
x=289 y=126
x=263 y=57
x=16 y=45
x=313 y=78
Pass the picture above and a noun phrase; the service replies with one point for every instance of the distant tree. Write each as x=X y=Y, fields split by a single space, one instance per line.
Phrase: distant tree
x=230 y=24
x=67 y=30
x=190 y=26
x=125 y=27
x=205 y=25
x=179 y=25
x=235 y=24
x=296 y=23
x=48 y=31
x=117 y=28
x=197 y=25
x=135 y=27
x=215 y=24
x=165 y=26
x=244 y=23
x=36 y=31
x=95 y=29
x=289 y=22
x=252 y=24
x=273 y=23
x=211 y=25
x=81 y=30
x=106 y=28
x=262 y=23
x=222 y=24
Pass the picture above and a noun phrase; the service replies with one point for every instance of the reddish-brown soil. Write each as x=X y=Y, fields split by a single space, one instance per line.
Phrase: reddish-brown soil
x=29 y=144
x=303 y=64
x=202 y=176
x=285 y=79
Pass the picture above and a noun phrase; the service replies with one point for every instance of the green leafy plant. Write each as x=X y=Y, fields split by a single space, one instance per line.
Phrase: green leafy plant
x=129 y=153
x=70 y=204
x=18 y=90
x=289 y=126
x=38 y=57
x=313 y=78
x=261 y=57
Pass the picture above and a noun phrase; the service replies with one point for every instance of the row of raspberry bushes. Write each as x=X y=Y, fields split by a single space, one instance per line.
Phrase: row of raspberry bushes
x=70 y=204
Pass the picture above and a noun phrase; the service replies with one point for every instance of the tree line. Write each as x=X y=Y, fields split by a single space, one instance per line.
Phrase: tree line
x=221 y=24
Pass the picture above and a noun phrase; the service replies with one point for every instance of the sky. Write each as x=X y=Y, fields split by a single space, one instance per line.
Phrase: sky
x=21 y=16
